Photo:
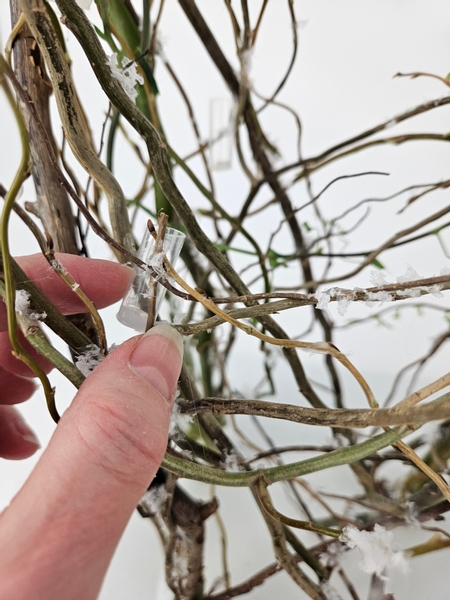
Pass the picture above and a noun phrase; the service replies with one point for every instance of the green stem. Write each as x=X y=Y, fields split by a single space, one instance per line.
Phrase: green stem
x=115 y=117
x=37 y=339
x=10 y=289
x=264 y=497
x=302 y=551
x=146 y=32
x=342 y=456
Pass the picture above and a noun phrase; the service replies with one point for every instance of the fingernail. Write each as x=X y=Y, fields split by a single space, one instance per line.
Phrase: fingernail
x=26 y=433
x=157 y=359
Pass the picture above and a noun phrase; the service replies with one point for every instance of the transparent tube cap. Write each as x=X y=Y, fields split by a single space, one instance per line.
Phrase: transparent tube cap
x=134 y=310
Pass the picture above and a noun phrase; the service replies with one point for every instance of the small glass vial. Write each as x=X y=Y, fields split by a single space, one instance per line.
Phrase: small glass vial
x=134 y=310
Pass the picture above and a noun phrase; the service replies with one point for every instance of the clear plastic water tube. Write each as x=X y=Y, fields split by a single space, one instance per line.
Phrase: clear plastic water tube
x=134 y=310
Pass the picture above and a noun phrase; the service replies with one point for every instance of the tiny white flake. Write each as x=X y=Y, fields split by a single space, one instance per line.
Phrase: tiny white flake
x=22 y=306
x=157 y=264
x=75 y=286
x=178 y=421
x=377 y=278
x=378 y=297
x=58 y=267
x=334 y=552
x=409 y=275
x=232 y=463
x=178 y=318
x=376 y=549
x=88 y=360
x=128 y=78
x=154 y=498
x=174 y=419
x=434 y=290
x=22 y=302
x=410 y=293
x=324 y=298
x=35 y=316
x=343 y=304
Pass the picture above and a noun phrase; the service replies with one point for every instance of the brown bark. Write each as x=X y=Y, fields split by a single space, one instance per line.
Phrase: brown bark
x=52 y=204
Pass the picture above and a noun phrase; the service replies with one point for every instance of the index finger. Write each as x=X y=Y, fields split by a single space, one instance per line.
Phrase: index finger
x=103 y=281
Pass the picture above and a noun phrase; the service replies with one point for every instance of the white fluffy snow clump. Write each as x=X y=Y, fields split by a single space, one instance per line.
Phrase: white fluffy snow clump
x=376 y=549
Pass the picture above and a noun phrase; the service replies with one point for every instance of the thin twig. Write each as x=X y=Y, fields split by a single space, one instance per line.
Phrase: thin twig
x=153 y=283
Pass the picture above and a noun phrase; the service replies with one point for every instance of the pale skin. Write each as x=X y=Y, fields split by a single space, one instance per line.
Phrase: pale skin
x=60 y=532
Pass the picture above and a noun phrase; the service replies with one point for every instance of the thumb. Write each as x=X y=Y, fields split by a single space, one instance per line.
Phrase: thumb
x=101 y=459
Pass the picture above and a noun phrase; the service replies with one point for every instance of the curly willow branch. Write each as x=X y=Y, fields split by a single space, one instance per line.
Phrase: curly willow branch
x=41 y=27
x=316 y=347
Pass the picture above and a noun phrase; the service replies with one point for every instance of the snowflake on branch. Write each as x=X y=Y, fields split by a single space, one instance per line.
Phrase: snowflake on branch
x=376 y=549
x=88 y=360
x=22 y=306
x=127 y=75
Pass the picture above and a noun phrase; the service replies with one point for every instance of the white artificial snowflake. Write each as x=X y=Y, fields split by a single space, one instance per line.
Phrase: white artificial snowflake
x=22 y=302
x=88 y=360
x=324 y=297
x=154 y=498
x=377 y=278
x=128 y=77
x=376 y=549
x=58 y=267
x=232 y=463
x=374 y=297
x=174 y=418
x=434 y=290
x=157 y=264
x=409 y=275
x=22 y=306
x=323 y=300
x=343 y=304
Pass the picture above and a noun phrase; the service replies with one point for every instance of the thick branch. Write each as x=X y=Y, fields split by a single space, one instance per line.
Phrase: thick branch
x=337 y=417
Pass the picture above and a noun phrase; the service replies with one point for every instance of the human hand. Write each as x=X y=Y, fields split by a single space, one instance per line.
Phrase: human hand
x=59 y=533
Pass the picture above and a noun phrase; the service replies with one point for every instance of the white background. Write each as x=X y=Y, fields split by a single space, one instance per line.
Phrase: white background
x=342 y=84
